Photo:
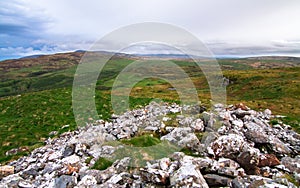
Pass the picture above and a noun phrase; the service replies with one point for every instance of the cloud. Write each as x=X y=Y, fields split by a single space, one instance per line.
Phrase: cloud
x=280 y=47
x=230 y=27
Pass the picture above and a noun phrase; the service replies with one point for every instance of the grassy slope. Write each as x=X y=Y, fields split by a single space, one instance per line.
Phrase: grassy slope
x=27 y=119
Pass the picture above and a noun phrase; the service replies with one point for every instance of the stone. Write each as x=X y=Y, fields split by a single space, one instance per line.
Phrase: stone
x=177 y=134
x=11 y=181
x=238 y=143
x=6 y=170
x=65 y=181
x=25 y=184
x=55 y=156
x=155 y=175
x=164 y=163
x=293 y=164
x=256 y=134
x=69 y=150
x=72 y=160
x=227 y=146
x=116 y=178
x=268 y=160
x=279 y=147
x=87 y=181
x=214 y=180
x=188 y=176
x=197 y=125
x=267 y=113
x=249 y=161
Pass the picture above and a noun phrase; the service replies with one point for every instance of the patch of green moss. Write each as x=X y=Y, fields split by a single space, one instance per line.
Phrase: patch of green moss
x=102 y=164
x=142 y=141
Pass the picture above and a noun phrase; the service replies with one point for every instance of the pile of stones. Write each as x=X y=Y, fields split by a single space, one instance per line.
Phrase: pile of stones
x=229 y=146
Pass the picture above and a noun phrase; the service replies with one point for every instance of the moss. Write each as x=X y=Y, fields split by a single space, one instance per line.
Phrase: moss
x=102 y=164
x=142 y=141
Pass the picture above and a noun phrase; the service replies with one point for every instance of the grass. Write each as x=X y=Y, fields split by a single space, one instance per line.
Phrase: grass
x=102 y=164
x=36 y=100
x=142 y=141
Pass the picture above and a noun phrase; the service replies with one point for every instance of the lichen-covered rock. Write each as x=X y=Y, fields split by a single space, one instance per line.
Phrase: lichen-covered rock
x=228 y=146
x=188 y=176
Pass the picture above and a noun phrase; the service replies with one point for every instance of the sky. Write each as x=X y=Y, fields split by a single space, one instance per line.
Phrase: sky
x=229 y=28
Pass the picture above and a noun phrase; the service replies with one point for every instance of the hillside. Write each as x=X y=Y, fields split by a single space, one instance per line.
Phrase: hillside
x=36 y=92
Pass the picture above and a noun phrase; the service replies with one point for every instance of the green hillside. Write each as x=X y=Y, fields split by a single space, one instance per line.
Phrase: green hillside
x=36 y=93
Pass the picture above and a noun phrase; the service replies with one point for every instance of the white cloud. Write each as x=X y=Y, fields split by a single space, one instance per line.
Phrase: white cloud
x=231 y=26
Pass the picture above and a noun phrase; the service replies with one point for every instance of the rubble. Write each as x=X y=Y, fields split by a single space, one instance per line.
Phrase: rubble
x=230 y=146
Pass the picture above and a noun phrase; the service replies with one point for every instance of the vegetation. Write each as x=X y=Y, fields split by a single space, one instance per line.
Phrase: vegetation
x=102 y=164
x=36 y=94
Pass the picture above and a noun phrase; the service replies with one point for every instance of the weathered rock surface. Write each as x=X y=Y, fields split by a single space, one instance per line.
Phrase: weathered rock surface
x=230 y=146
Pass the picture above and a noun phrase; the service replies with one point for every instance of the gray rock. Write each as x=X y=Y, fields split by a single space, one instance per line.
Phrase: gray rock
x=293 y=164
x=188 y=176
x=69 y=150
x=155 y=176
x=255 y=133
x=87 y=181
x=65 y=181
x=214 y=180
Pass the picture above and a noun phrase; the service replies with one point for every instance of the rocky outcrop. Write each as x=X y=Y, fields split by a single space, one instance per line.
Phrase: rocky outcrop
x=230 y=146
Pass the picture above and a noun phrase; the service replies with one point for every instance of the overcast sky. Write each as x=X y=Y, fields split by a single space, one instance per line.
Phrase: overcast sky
x=227 y=27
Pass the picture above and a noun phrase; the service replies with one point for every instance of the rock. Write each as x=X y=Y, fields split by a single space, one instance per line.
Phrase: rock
x=228 y=167
x=256 y=134
x=121 y=165
x=228 y=146
x=267 y=113
x=53 y=133
x=177 y=134
x=293 y=164
x=72 y=160
x=238 y=143
x=155 y=175
x=11 y=181
x=87 y=181
x=116 y=178
x=249 y=161
x=197 y=125
x=268 y=160
x=241 y=106
x=29 y=173
x=6 y=170
x=65 y=181
x=164 y=163
x=25 y=184
x=100 y=176
x=151 y=128
x=214 y=180
x=188 y=176
x=186 y=121
x=69 y=150
x=279 y=147
x=17 y=150
x=55 y=156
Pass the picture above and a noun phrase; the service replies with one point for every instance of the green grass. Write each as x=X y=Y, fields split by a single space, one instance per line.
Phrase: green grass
x=102 y=164
x=142 y=141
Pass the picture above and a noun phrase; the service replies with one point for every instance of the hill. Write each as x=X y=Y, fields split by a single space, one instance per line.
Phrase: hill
x=36 y=93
